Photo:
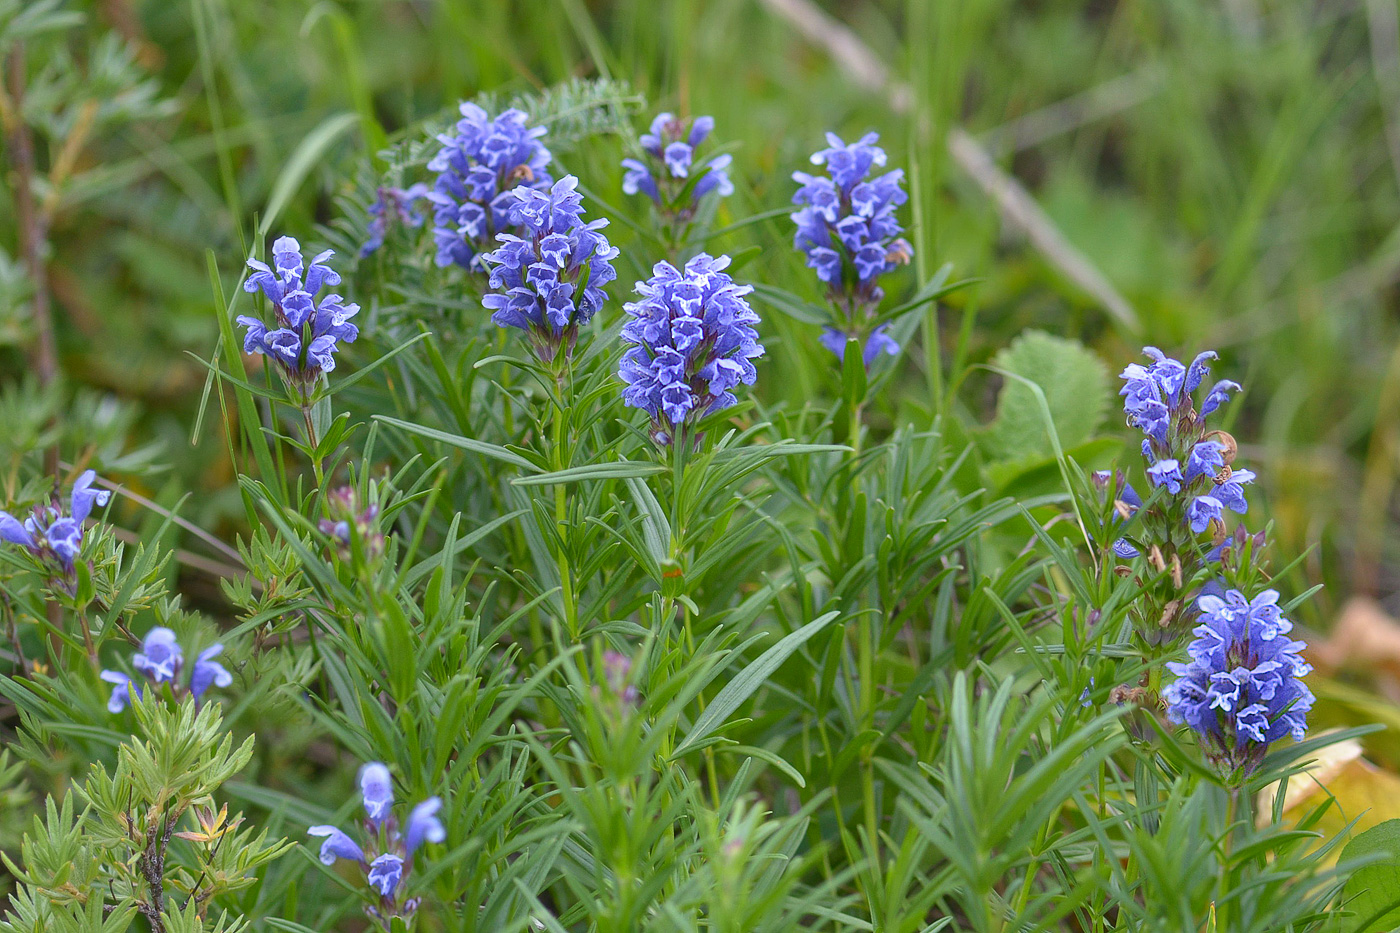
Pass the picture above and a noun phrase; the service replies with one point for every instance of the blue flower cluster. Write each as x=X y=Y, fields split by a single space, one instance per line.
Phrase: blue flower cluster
x=1241 y=690
x=389 y=854
x=666 y=175
x=307 y=330
x=848 y=231
x=548 y=281
x=392 y=204
x=693 y=341
x=160 y=661
x=1182 y=456
x=477 y=168
x=50 y=535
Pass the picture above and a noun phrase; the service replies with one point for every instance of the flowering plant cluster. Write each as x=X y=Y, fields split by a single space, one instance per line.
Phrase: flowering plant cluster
x=548 y=281
x=478 y=168
x=848 y=231
x=51 y=536
x=1240 y=691
x=649 y=662
x=160 y=661
x=668 y=172
x=308 y=330
x=387 y=856
x=692 y=343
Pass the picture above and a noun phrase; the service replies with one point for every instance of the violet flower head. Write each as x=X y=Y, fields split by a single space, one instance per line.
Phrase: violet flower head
x=478 y=167
x=692 y=343
x=1210 y=506
x=337 y=845
x=1193 y=464
x=53 y=537
x=423 y=824
x=846 y=225
x=669 y=164
x=1158 y=398
x=161 y=660
x=849 y=233
x=122 y=687
x=618 y=694
x=548 y=280
x=392 y=206
x=384 y=873
x=1241 y=689
x=388 y=854
x=1166 y=473
x=307 y=329
x=377 y=790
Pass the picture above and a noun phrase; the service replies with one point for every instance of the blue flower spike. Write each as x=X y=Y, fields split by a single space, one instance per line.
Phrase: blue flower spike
x=548 y=281
x=669 y=165
x=53 y=537
x=307 y=330
x=1190 y=463
x=692 y=343
x=1241 y=690
x=387 y=856
x=392 y=207
x=848 y=231
x=479 y=167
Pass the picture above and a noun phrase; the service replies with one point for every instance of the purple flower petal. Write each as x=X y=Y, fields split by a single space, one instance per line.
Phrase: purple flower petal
x=377 y=788
x=337 y=845
x=12 y=531
x=385 y=873
x=423 y=825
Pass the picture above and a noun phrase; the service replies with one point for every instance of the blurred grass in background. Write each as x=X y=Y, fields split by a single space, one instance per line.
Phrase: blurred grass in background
x=1224 y=164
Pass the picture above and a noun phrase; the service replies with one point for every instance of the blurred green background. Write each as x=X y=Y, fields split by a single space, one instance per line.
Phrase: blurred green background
x=1228 y=166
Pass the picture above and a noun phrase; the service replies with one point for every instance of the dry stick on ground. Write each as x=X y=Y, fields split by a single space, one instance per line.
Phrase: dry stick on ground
x=1097 y=103
x=1016 y=204
x=853 y=55
x=1022 y=211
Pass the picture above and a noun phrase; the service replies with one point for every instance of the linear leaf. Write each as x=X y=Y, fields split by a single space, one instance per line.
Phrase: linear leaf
x=749 y=680
x=493 y=451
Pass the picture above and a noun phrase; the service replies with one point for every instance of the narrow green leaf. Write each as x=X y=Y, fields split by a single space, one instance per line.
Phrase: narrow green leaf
x=748 y=681
x=621 y=469
x=465 y=443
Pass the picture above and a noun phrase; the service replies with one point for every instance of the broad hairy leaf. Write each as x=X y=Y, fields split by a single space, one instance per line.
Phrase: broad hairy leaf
x=1075 y=383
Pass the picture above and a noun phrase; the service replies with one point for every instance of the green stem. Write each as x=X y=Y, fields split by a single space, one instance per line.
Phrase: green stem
x=866 y=659
x=561 y=526
x=312 y=442
x=88 y=642
x=1222 y=901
